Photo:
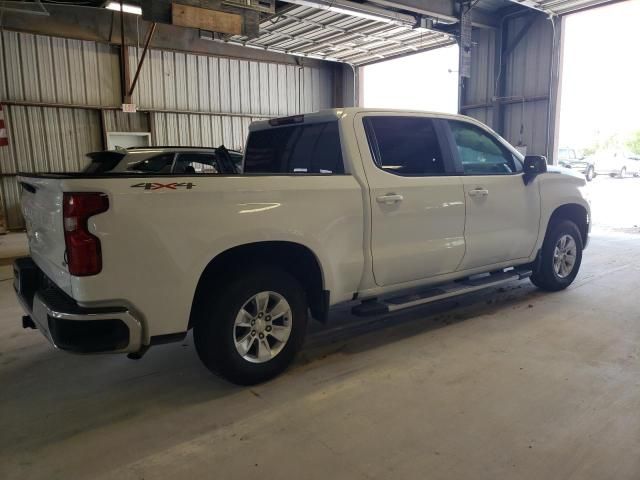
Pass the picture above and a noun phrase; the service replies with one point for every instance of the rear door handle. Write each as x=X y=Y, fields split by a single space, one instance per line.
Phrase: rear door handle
x=389 y=198
x=479 y=192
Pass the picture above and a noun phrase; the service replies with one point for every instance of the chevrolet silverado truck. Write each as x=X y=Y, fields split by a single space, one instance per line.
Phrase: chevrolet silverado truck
x=384 y=209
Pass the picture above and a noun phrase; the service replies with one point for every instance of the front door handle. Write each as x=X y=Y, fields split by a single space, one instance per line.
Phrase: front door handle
x=479 y=192
x=389 y=198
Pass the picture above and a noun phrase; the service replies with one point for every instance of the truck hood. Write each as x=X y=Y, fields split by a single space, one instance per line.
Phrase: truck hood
x=565 y=171
x=573 y=163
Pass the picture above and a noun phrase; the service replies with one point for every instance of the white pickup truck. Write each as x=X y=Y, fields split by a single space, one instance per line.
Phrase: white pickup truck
x=387 y=208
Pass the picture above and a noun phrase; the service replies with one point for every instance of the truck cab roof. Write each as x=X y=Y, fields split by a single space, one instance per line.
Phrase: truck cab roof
x=330 y=114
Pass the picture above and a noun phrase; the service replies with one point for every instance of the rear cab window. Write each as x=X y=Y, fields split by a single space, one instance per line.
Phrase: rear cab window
x=295 y=149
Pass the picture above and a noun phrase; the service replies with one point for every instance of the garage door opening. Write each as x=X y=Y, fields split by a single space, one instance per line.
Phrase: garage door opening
x=424 y=81
x=599 y=123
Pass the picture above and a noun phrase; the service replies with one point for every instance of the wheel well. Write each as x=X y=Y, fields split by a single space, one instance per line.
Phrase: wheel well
x=297 y=260
x=577 y=214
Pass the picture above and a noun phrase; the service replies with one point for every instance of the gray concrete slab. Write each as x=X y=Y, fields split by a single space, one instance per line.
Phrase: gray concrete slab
x=12 y=246
x=509 y=383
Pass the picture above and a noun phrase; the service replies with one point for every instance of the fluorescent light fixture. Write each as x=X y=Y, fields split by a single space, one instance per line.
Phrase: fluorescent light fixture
x=126 y=7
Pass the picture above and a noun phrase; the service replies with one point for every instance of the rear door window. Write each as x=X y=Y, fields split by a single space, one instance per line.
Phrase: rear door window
x=312 y=148
x=406 y=146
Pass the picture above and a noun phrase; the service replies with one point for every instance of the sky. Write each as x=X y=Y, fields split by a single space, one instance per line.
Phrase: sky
x=421 y=82
x=600 y=93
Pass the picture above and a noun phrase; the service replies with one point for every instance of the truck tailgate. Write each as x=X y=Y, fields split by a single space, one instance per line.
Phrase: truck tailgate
x=41 y=200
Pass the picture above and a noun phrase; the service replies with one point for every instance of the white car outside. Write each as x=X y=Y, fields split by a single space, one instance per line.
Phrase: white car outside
x=616 y=163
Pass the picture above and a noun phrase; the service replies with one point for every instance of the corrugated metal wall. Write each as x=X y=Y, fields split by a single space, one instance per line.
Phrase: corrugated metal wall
x=44 y=139
x=186 y=99
x=200 y=130
x=38 y=68
x=527 y=76
x=481 y=87
x=526 y=79
x=118 y=121
x=199 y=83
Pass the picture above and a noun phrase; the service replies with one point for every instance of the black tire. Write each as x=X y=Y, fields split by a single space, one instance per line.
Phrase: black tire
x=214 y=325
x=590 y=174
x=544 y=275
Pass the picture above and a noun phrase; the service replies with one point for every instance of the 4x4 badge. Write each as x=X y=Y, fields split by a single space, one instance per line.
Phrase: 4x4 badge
x=158 y=186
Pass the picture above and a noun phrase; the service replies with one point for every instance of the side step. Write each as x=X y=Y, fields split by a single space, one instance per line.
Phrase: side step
x=453 y=289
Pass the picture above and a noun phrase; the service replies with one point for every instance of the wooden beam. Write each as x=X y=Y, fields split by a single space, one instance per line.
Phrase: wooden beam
x=205 y=19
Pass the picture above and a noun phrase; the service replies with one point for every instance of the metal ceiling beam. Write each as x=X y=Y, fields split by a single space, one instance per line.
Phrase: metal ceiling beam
x=532 y=5
x=340 y=35
x=362 y=10
x=403 y=54
x=564 y=7
x=390 y=52
x=345 y=38
x=24 y=7
x=332 y=28
x=519 y=36
x=445 y=11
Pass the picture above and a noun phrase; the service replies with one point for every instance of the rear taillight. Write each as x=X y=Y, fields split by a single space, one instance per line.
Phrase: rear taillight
x=84 y=256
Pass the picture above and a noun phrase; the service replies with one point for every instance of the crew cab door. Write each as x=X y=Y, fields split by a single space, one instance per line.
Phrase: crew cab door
x=417 y=205
x=503 y=214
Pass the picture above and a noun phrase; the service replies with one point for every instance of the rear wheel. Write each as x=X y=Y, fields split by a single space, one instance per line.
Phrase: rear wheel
x=560 y=259
x=252 y=329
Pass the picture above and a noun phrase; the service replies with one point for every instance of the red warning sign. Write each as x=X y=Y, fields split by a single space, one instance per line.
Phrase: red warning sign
x=4 y=138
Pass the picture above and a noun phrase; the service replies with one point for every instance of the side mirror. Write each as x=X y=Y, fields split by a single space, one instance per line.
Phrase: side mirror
x=533 y=165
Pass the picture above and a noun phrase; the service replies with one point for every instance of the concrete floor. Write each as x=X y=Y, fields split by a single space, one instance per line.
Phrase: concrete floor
x=12 y=246
x=506 y=384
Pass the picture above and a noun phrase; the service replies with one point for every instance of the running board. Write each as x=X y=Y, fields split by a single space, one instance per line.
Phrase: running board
x=453 y=289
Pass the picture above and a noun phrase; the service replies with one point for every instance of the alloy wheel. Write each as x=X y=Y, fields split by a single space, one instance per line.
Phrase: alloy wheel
x=564 y=256
x=262 y=327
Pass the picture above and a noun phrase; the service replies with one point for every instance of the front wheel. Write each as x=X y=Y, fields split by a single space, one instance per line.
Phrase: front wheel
x=560 y=259
x=252 y=328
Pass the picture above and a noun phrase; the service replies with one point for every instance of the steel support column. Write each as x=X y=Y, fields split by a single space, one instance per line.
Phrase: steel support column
x=555 y=89
x=504 y=49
